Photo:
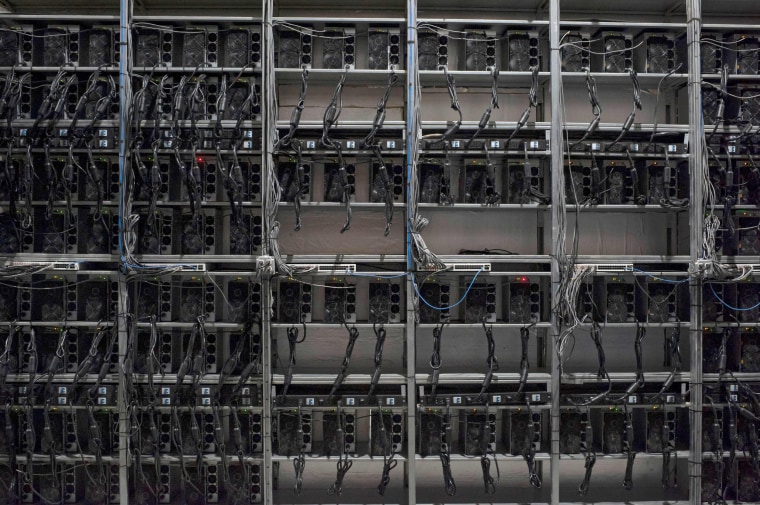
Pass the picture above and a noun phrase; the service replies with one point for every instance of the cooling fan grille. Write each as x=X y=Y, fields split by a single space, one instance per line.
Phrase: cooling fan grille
x=572 y=53
x=56 y=47
x=9 y=43
x=748 y=59
x=377 y=49
x=236 y=48
x=289 y=50
x=519 y=53
x=147 y=50
x=659 y=55
x=615 y=60
x=428 y=51
x=332 y=51
x=100 y=48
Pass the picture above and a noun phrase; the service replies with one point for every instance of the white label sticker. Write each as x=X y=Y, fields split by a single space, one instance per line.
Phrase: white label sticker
x=350 y=401
x=457 y=400
x=390 y=401
x=496 y=399
x=310 y=401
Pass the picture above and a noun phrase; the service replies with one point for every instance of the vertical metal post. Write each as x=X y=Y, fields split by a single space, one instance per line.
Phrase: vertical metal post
x=125 y=91
x=696 y=171
x=411 y=143
x=269 y=115
x=556 y=167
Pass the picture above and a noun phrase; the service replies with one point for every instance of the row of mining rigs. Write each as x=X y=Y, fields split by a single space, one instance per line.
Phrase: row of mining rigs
x=730 y=101
x=196 y=176
x=493 y=321
x=193 y=200
x=349 y=417
x=59 y=197
x=59 y=383
x=193 y=428
x=327 y=156
x=193 y=369
x=345 y=416
x=605 y=410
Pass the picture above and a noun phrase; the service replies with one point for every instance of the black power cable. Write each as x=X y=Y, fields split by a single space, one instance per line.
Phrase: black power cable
x=5 y=357
x=448 y=479
x=596 y=109
x=636 y=105
x=442 y=138
x=629 y=449
x=380 y=335
x=295 y=116
x=639 y=382
x=57 y=361
x=105 y=362
x=492 y=197
x=300 y=186
x=293 y=340
x=532 y=103
x=353 y=335
x=11 y=436
x=299 y=462
x=377 y=123
x=389 y=461
x=254 y=366
x=529 y=453
x=47 y=444
x=673 y=355
x=596 y=337
x=489 y=483
x=385 y=180
x=435 y=359
x=494 y=104
x=491 y=362
x=587 y=448
x=344 y=463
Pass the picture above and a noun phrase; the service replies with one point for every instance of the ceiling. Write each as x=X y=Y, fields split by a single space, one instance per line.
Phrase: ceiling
x=714 y=11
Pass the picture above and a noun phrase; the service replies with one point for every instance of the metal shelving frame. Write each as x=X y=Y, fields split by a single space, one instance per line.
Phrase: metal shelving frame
x=412 y=378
